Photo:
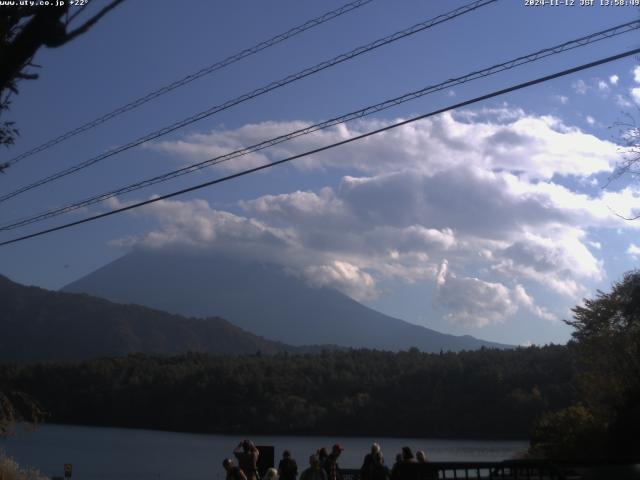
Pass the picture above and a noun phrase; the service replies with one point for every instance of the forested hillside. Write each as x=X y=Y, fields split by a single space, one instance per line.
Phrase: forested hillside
x=484 y=393
x=40 y=325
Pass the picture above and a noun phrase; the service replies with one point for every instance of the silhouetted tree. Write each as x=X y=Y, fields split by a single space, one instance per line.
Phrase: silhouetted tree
x=629 y=138
x=606 y=346
x=23 y=30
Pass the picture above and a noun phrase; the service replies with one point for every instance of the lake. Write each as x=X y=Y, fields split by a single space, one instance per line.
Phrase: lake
x=126 y=454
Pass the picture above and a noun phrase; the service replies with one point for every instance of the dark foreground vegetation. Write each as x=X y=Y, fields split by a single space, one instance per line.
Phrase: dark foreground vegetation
x=485 y=393
x=604 y=420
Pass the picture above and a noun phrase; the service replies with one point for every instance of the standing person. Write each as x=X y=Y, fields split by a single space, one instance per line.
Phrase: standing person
x=366 y=471
x=287 y=468
x=421 y=457
x=377 y=470
x=331 y=464
x=315 y=471
x=395 y=470
x=322 y=456
x=233 y=471
x=407 y=455
x=247 y=455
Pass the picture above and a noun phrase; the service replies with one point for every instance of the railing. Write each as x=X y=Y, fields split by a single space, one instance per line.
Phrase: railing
x=507 y=470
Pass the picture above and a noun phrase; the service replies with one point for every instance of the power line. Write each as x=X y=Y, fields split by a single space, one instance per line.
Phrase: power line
x=566 y=46
x=191 y=77
x=331 y=146
x=255 y=93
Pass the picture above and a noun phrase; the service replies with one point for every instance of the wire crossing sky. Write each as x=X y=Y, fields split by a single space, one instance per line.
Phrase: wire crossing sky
x=348 y=7
x=471 y=7
x=492 y=219
x=522 y=60
x=328 y=147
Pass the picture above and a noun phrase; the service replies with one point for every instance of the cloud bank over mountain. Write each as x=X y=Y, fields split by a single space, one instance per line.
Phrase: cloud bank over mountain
x=482 y=207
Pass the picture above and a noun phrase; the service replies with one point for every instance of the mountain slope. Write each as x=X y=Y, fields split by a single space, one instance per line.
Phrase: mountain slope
x=40 y=325
x=260 y=298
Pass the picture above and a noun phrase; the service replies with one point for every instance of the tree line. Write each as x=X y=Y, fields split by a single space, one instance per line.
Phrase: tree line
x=483 y=393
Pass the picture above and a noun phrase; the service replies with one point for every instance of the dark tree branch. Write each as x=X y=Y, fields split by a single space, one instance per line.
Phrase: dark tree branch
x=92 y=21
x=78 y=12
x=22 y=32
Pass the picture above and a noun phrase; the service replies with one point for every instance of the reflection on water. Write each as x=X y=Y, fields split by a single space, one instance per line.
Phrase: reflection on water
x=126 y=454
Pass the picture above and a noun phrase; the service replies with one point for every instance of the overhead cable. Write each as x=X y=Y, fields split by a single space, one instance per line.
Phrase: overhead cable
x=255 y=93
x=522 y=60
x=465 y=103
x=191 y=77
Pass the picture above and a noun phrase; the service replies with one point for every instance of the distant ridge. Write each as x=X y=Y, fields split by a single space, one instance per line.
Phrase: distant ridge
x=261 y=298
x=41 y=325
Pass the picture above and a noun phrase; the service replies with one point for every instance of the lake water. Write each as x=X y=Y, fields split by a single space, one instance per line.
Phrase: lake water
x=125 y=454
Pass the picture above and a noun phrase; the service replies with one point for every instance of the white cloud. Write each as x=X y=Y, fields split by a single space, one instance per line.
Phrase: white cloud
x=621 y=101
x=603 y=86
x=636 y=74
x=522 y=297
x=590 y=120
x=472 y=302
x=613 y=79
x=559 y=260
x=562 y=99
x=635 y=94
x=633 y=251
x=343 y=276
x=580 y=87
x=503 y=138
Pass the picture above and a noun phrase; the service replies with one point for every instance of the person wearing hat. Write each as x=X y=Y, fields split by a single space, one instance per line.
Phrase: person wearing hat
x=331 y=464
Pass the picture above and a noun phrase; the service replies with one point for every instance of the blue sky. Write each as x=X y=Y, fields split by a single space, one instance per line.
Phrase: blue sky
x=490 y=221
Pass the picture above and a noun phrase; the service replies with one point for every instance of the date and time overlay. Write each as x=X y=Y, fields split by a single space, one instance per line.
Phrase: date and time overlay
x=526 y=3
x=581 y=3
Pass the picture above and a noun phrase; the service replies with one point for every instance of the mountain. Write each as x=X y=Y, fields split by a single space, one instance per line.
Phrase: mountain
x=261 y=298
x=40 y=325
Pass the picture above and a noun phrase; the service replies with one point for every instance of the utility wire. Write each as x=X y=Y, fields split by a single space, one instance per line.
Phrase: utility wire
x=331 y=146
x=566 y=46
x=191 y=77
x=255 y=93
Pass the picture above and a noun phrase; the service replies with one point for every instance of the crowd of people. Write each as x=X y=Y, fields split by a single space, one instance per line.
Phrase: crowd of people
x=323 y=465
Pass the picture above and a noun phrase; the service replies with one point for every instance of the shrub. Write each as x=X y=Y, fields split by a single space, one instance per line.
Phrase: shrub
x=10 y=470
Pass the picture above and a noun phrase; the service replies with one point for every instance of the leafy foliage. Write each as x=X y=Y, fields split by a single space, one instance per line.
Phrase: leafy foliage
x=563 y=434
x=10 y=470
x=606 y=346
x=16 y=407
